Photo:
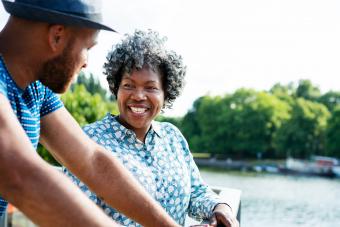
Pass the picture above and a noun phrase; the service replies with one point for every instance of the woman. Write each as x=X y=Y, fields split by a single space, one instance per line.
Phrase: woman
x=145 y=77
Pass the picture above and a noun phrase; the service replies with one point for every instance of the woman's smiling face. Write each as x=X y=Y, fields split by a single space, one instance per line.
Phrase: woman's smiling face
x=140 y=98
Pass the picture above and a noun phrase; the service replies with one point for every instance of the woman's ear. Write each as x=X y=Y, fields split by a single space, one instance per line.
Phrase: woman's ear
x=57 y=37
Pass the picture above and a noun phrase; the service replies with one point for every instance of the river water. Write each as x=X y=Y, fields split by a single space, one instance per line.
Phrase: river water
x=270 y=200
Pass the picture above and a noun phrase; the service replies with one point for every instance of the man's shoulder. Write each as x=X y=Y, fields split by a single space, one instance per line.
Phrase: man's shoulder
x=3 y=71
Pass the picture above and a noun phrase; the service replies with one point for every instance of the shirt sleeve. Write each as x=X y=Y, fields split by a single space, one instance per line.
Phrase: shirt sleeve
x=202 y=198
x=3 y=206
x=50 y=103
x=3 y=87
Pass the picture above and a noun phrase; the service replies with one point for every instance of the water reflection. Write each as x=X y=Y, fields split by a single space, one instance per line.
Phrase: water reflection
x=277 y=201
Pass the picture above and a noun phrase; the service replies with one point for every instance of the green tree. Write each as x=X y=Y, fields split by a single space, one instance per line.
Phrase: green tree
x=330 y=99
x=263 y=117
x=191 y=129
x=206 y=125
x=284 y=92
x=304 y=133
x=307 y=90
x=333 y=134
x=92 y=85
x=252 y=120
x=85 y=108
x=238 y=125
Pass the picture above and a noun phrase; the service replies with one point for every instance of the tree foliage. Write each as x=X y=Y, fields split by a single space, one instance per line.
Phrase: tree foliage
x=239 y=125
x=330 y=99
x=92 y=85
x=85 y=108
x=287 y=120
x=304 y=133
x=333 y=134
x=307 y=90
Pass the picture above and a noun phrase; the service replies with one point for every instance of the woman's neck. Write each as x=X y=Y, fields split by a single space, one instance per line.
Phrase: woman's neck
x=139 y=132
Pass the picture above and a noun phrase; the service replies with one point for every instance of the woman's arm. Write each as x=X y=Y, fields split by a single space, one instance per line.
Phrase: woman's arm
x=204 y=203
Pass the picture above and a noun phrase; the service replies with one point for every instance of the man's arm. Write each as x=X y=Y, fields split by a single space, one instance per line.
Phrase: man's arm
x=42 y=193
x=100 y=170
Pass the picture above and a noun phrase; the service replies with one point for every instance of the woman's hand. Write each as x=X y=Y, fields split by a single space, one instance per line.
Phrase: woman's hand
x=223 y=216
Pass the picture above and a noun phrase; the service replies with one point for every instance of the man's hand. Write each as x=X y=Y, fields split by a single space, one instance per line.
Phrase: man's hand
x=223 y=216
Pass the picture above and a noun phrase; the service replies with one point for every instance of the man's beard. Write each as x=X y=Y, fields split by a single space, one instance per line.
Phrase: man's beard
x=57 y=73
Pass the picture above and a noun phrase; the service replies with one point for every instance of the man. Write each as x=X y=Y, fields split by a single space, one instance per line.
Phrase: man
x=42 y=46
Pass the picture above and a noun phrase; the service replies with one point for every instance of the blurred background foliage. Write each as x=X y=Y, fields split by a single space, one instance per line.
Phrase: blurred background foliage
x=293 y=120
x=286 y=121
x=87 y=101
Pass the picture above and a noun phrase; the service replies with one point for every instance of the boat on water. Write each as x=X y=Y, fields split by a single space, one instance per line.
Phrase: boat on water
x=336 y=170
x=317 y=165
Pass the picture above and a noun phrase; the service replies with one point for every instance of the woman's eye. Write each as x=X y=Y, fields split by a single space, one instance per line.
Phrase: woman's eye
x=152 y=88
x=127 y=85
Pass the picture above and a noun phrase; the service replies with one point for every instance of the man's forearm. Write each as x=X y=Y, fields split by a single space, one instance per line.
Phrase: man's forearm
x=49 y=199
x=29 y=183
x=114 y=184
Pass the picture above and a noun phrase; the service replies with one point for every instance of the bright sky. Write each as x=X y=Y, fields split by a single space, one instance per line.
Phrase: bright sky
x=229 y=44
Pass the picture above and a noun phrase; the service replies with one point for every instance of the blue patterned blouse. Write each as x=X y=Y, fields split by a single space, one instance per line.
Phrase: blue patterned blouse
x=163 y=165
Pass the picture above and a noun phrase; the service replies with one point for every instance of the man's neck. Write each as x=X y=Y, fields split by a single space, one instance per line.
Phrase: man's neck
x=19 y=62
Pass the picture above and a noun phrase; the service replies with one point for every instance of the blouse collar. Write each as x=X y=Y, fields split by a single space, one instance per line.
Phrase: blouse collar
x=155 y=126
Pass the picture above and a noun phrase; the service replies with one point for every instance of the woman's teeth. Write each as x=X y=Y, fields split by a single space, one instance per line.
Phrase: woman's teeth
x=138 y=110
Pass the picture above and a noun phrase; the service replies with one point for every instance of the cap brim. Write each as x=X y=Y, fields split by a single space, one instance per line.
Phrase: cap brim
x=51 y=16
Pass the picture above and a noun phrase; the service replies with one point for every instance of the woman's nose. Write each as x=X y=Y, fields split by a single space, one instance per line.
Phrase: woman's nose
x=138 y=94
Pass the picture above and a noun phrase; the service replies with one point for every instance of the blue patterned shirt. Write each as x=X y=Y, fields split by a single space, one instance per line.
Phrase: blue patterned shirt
x=29 y=105
x=163 y=165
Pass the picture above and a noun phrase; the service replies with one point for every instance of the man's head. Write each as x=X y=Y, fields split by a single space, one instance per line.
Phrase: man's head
x=71 y=46
x=68 y=29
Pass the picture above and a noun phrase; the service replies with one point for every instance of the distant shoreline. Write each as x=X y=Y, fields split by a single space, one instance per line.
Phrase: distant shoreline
x=265 y=166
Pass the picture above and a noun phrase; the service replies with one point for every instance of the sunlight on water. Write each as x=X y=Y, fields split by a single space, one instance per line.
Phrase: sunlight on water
x=281 y=201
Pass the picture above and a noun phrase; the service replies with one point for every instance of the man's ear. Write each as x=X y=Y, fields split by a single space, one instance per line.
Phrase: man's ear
x=57 y=37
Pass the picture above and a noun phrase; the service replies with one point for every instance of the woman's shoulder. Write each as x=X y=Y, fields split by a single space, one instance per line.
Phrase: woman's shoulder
x=172 y=134
x=165 y=126
x=168 y=128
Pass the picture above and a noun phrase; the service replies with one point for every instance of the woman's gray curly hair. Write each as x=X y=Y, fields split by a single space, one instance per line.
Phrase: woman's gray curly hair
x=146 y=49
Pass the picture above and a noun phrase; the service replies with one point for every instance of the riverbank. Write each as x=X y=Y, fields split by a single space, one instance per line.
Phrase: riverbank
x=243 y=165
x=268 y=166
